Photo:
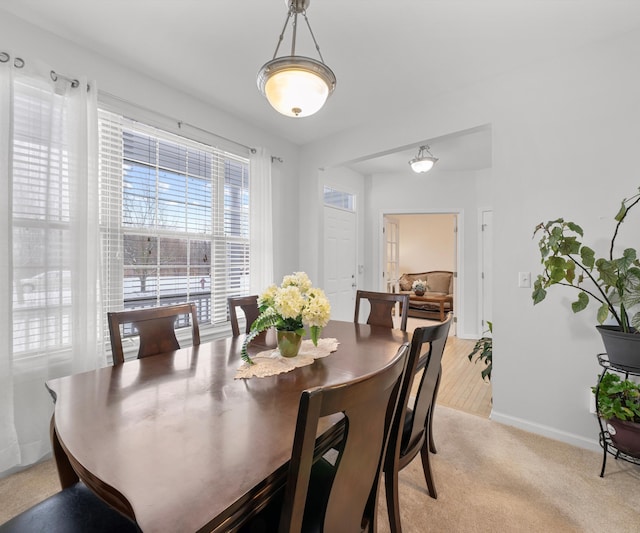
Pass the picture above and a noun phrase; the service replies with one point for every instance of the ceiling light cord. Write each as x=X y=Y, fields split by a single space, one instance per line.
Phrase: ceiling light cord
x=281 y=38
x=304 y=14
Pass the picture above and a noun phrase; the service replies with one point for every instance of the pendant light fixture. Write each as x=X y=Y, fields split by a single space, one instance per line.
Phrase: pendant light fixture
x=423 y=163
x=296 y=86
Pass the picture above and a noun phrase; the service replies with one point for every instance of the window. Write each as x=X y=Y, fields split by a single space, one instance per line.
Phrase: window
x=339 y=199
x=174 y=218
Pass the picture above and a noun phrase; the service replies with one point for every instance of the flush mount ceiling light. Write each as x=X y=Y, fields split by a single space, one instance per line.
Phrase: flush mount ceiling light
x=423 y=163
x=296 y=86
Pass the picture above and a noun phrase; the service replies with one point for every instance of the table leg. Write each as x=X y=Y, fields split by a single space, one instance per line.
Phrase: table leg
x=66 y=473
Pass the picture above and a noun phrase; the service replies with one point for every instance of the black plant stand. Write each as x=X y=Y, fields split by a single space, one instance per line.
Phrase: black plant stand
x=605 y=439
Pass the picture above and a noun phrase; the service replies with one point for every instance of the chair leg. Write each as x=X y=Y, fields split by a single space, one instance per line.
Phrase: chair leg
x=426 y=468
x=393 y=504
x=432 y=444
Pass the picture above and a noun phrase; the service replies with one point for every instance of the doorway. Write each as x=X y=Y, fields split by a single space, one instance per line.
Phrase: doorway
x=421 y=242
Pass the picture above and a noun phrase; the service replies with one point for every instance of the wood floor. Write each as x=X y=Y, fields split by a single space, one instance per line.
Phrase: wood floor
x=461 y=386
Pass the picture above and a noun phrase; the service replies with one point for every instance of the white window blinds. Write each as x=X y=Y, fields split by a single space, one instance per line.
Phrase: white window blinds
x=174 y=218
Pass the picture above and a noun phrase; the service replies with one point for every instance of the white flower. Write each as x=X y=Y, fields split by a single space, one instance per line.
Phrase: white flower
x=297 y=279
x=419 y=285
x=289 y=302
x=317 y=310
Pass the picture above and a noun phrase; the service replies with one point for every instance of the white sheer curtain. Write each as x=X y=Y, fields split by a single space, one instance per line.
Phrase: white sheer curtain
x=49 y=287
x=261 y=221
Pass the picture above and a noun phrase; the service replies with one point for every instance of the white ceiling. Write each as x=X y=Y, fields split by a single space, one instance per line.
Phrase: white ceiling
x=387 y=55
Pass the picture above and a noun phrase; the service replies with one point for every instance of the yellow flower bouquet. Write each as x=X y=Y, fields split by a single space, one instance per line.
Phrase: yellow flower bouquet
x=290 y=307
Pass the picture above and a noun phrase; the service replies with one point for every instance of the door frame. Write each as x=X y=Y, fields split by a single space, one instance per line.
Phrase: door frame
x=482 y=252
x=459 y=285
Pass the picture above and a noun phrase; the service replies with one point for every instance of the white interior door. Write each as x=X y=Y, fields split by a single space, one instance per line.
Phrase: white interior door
x=392 y=253
x=487 y=269
x=340 y=261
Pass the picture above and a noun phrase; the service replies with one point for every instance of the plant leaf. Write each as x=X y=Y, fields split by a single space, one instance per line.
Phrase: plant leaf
x=315 y=334
x=575 y=228
x=587 y=255
x=621 y=213
x=603 y=313
x=581 y=303
x=538 y=293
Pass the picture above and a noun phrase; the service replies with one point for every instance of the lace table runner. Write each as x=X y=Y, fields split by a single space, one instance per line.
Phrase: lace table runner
x=270 y=362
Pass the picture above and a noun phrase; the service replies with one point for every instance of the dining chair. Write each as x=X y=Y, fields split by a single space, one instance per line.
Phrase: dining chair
x=340 y=495
x=382 y=306
x=249 y=306
x=412 y=429
x=156 y=327
x=73 y=509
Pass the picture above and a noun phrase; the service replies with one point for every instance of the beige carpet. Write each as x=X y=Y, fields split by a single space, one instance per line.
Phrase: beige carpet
x=494 y=478
x=489 y=477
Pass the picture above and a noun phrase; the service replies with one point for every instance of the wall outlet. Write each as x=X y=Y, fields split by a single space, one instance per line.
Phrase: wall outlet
x=524 y=280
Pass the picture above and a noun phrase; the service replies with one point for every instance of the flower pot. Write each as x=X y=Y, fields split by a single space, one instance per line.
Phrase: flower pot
x=419 y=293
x=622 y=348
x=625 y=436
x=289 y=343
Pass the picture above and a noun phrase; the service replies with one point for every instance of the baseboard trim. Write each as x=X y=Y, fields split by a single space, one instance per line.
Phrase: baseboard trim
x=546 y=431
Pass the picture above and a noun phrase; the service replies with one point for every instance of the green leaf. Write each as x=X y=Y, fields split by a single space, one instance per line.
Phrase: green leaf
x=627 y=259
x=603 y=313
x=575 y=228
x=538 y=293
x=607 y=272
x=315 y=334
x=264 y=321
x=557 y=274
x=568 y=246
x=621 y=213
x=587 y=255
x=581 y=303
x=570 y=273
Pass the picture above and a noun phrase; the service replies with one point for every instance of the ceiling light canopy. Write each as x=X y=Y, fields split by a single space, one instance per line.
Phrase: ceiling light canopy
x=296 y=86
x=423 y=163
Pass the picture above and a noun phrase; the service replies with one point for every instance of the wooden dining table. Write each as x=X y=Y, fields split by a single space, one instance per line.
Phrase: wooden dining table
x=178 y=444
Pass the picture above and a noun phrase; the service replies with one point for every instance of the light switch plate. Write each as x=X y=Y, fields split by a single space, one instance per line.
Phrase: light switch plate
x=524 y=279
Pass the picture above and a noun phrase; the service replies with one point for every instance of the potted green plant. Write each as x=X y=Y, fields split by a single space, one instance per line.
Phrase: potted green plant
x=290 y=308
x=484 y=350
x=613 y=282
x=618 y=403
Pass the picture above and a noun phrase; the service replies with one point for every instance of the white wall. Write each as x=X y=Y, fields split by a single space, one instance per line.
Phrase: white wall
x=442 y=192
x=33 y=45
x=565 y=135
x=427 y=242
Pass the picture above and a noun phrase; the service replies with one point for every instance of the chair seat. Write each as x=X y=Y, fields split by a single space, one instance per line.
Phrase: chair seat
x=72 y=510
x=322 y=474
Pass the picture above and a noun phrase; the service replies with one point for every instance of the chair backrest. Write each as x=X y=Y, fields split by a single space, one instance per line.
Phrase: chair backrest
x=156 y=327
x=249 y=306
x=382 y=305
x=368 y=404
x=408 y=434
